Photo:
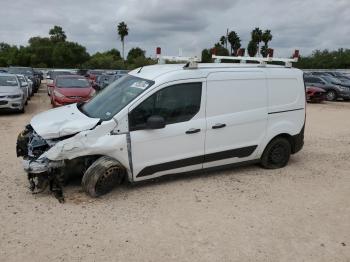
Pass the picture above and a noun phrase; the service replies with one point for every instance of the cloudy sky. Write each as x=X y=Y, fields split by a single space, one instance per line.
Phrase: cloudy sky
x=187 y=24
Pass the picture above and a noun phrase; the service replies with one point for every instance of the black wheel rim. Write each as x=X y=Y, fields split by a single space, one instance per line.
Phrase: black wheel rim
x=278 y=154
x=108 y=180
x=330 y=95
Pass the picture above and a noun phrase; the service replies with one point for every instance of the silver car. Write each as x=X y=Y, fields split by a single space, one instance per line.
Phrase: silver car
x=30 y=83
x=12 y=94
x=25 y=86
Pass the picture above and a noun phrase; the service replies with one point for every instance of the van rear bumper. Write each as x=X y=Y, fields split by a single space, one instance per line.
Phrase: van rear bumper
x=298 y=141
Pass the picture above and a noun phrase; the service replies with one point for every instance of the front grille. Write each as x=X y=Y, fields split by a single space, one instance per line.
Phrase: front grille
x=3 y=103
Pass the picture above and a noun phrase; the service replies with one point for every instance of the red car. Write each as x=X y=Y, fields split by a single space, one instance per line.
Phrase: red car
x=68 y=89
x=92 y=75
x=315 y=94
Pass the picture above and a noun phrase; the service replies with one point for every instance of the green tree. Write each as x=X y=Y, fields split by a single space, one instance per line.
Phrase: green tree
x=223 y=41
x=40 y=51
x=115 y=53
x=69 y=54
x=107 y=60
x=206 y=56
x=123 y=31
x=256 y=36
x=220 y=50
x=266 y=38
x=57 y=34
x=235 y=42
x=135 y=53
x=252 y=48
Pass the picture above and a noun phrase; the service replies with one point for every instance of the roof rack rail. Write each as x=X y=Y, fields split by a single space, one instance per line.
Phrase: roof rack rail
x=191 y=62
x=262 y=60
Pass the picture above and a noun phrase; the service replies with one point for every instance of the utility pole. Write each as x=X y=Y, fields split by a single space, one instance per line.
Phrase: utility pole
x=226 y=38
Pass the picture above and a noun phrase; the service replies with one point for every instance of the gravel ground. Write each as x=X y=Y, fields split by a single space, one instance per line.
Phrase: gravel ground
x=299 y=213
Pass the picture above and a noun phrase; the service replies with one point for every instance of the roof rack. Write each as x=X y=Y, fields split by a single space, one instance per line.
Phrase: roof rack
x=262 y=60
x=191 y=62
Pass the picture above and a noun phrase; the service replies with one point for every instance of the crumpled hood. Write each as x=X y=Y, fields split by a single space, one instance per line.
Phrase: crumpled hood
x=62 y=121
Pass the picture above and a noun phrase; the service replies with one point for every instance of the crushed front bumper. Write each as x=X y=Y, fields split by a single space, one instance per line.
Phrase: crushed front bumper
x=40 y=165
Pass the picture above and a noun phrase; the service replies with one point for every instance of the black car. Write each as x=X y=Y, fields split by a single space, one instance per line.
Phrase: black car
x=334 y=88
x=338 y=75
x=104 y=80
x=27 y=71
x=39 y=74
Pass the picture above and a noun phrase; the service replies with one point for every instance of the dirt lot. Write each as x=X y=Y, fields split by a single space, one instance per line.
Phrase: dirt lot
x=299 y=213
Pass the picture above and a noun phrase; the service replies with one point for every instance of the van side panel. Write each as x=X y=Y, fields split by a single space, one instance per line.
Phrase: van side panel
x=286 y=110
x=237 y=100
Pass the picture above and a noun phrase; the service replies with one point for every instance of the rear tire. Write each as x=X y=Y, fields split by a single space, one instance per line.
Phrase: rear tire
x=102 y=176
x=331 y=95
x=276 y=154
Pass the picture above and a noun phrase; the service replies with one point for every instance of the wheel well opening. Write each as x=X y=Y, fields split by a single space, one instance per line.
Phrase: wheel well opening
x=289 y=138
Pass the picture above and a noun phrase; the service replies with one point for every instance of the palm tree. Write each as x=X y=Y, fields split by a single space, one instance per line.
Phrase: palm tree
x=223 y=40
x=123 y=31
x=234 y=41
x=257 y=37
x=266 y=38
x=252 y=48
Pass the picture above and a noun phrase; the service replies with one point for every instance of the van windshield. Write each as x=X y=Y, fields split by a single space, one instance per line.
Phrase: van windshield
x=115 y=97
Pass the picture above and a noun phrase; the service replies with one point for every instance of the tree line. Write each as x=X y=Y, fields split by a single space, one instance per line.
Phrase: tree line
x=232 y=38
x=55 y=51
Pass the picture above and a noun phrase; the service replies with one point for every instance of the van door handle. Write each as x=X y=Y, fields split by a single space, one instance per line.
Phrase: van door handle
x=217 y=126
x=193 y=131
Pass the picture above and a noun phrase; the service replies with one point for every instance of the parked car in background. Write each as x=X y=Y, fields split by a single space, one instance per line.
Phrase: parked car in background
x=93 y=74
x=82 y=72
x=12 y=95
x=69 y=89
x=27 y=71
x=26 y=87
x=104 y=80
x=30 y=82
x=315 y=94
x=39 y=74
x=121 y=72
x=333 y=87
x=52 y=74
x=338 y=75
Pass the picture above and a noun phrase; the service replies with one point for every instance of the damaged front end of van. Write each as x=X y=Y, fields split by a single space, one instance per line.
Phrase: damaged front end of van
x=44 y=146
x=62 y=144
x=41 y=171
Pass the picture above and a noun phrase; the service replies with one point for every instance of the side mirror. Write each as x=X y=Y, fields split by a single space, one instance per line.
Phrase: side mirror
x=155 y=122
x=24 y=84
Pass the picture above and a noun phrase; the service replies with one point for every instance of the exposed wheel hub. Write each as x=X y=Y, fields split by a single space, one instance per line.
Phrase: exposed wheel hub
x=108 y=180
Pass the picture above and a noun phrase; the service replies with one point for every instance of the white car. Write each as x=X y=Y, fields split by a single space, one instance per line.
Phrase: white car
x=165 y=119
x=26 y=86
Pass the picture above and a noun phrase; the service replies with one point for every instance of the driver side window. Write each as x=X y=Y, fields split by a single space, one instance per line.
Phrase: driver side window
x=177 y=103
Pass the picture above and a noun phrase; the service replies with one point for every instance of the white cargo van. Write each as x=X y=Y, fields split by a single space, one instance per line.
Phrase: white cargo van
x=166 y=119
